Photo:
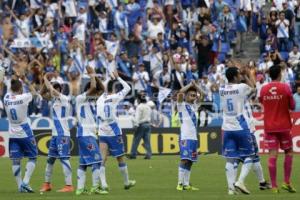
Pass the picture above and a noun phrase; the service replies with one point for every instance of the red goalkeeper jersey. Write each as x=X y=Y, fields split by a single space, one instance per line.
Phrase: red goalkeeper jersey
x=277 y=100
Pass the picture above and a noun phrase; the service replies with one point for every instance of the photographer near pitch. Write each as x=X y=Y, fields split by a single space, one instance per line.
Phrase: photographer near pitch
x=143 y=130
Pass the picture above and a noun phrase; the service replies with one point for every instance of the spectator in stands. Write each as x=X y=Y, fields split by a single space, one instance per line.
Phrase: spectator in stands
x=125 y=69
x=226 y=22
x=140 y=79
x=289 y=15
x=260 y=81
x=1 y=108
x=203 y=46
x=241 y=26
x=272 y=19
x=264 y=66
x=294 y=56
x=297 y=99
x=262 y=30
x=155 y=25
x=275 y=57
x=297 y=22
x=283 y=26
x=162 y=78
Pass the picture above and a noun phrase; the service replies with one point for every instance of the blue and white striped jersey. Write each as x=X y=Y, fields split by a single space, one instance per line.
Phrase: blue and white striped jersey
x=237 y=114
x=188 y=120
x=60 y=114
x=86 y=115
x=106 y=111
x=16 y=106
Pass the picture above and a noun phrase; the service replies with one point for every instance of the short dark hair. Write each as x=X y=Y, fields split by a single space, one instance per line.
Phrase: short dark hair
x=15 y=85
x=142 y=97
x=88 y=86
x=231 y=72
x=191 y=89
x=110 y=85
x=275 y=72
x=57 y=87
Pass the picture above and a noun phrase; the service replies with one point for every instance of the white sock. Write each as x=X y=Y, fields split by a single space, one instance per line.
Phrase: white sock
x=67 y=171
x=81 y=176
x=103 y=177
x=187 y=175
x=30 y=166
x=236 y=166
x=17 y=173
x=124 y=171
x=230 y=174
x=95 y=176
x=246 y=167
x=181 y=173
x=258 y=171
x=48 y=174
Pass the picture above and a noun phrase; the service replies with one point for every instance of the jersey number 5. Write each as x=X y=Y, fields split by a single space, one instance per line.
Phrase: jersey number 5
x=229 y=105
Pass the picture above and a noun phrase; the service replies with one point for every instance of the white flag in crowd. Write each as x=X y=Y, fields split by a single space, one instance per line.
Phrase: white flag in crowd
x=163 y=93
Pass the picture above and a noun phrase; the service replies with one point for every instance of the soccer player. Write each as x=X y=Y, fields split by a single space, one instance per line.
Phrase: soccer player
x=237 y=138
x=277 y=101
x=187 y=108
x=21 y=140
x=257 y=168
x=109 y=131
x=59 y=146
x=86 y=133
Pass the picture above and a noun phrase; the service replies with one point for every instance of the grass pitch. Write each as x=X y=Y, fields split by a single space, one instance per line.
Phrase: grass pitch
x=156 y=180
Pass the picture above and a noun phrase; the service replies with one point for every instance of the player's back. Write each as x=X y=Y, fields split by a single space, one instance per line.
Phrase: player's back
x=277 y=101
x=235 y=106
x=60 y=114
x=86 y=115
x=106 y=112
x=16 y=106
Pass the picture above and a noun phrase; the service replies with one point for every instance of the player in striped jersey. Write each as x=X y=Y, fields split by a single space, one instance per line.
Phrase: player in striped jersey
x=60 y=142
x=187 y=107
x=87 y=135
x=109 y=131
x=237 y=119
x=21 y=140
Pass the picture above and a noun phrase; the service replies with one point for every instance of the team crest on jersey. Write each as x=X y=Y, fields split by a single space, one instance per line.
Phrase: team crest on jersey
x=90 y=147
x=33 y=142
x=120 y=140
x=97 y=157
x=185 y=153
x=64 y=141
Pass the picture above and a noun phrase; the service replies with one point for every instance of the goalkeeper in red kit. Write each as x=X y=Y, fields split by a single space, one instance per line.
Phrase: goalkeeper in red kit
x=277 y=100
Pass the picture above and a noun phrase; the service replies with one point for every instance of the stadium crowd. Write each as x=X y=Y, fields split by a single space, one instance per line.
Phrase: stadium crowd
x=156 y=45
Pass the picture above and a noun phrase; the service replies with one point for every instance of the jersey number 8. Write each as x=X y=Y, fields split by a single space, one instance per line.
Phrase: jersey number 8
x=107 y=111
x=13 y=114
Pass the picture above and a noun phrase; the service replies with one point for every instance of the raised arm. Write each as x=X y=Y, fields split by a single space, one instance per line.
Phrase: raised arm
x=53 y=92
x=180 y=95
x=126 y=88
x=11 y=12
x=30 y=86
x=91 y=74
